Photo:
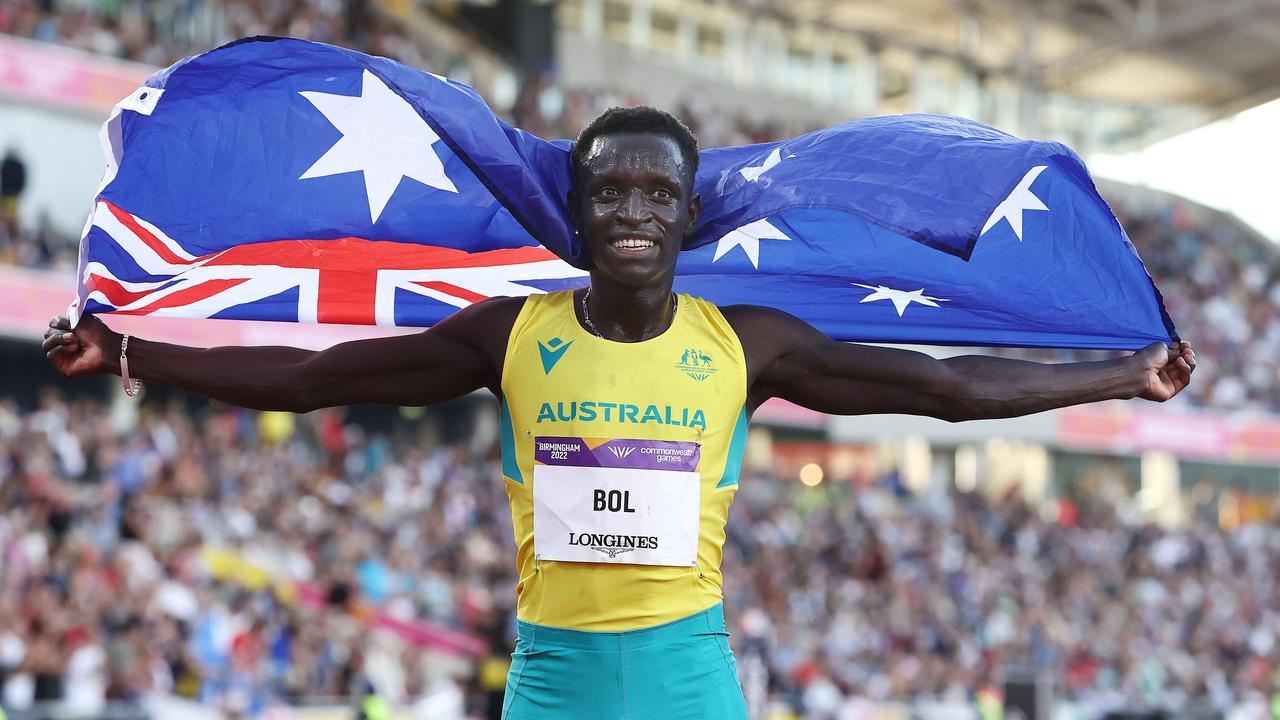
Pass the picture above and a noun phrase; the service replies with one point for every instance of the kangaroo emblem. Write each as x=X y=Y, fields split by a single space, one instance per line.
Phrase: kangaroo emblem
x=695 y=364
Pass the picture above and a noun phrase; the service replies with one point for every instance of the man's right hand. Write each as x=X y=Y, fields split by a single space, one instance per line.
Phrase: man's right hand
x=89 y=349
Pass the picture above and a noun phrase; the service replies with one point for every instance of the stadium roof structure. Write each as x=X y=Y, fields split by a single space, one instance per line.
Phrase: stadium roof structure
x=1182 y=63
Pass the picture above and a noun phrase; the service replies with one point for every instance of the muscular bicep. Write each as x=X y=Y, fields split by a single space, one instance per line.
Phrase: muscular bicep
x=460 y=354
x=789 y=359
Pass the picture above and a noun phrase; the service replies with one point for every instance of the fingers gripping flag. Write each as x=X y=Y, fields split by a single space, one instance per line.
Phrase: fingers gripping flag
x=285 y=180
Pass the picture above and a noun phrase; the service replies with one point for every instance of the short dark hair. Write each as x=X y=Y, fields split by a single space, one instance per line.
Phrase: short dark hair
x=640 y=119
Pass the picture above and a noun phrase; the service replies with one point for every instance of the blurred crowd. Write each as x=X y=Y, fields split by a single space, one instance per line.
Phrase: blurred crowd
x=854 y=595
x=240 y=559
x=160 y=32
x=1222 y=289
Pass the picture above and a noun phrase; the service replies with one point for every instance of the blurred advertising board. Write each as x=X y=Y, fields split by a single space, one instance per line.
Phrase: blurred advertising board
x=777 y=411
x=48 y=74
x=1134 y=428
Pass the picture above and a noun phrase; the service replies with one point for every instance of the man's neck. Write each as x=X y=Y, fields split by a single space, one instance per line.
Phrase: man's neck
x=626 y=314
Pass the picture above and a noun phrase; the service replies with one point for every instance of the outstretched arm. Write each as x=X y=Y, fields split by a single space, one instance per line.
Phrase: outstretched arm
x=788 y=358
x=460 y=354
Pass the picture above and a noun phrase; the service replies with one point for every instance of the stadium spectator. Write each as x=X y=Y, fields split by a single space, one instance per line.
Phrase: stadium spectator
x=40 y=247
x=13 y=180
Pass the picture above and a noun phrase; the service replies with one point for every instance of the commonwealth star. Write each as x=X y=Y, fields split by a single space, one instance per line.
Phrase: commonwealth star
x=382 y=137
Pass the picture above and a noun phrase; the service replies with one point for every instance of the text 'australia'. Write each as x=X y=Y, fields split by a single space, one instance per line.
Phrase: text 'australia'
x=591 y=411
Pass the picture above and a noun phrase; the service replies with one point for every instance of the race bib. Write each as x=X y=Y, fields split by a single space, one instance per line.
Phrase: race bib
x=616 y=501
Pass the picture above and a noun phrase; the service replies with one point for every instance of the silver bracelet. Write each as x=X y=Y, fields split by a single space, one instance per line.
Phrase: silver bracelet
x=131 y=387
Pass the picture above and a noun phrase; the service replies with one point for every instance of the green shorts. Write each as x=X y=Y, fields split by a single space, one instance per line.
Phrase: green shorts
x=683 y=669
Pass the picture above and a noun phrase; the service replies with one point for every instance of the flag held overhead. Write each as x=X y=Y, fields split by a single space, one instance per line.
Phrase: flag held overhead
x=280 y=179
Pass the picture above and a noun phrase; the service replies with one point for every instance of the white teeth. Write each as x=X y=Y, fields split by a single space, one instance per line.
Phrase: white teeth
x=634 y=244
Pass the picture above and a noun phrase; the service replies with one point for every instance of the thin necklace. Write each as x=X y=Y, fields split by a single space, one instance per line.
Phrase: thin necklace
x=586 y=315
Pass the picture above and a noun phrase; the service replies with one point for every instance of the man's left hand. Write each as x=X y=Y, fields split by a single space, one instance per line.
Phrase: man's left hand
x=1167 y=369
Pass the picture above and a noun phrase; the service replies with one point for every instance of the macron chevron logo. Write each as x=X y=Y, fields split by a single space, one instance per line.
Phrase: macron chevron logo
x=551 y=352
x=622 y=452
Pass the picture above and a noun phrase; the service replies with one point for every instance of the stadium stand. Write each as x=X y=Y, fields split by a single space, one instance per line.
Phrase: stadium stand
x=237 y=558
x=159 y=33
x=246 y=559
x=1222 y=283
x=243 y=559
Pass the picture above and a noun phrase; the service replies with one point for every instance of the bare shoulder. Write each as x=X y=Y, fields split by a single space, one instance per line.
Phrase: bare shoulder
x=485 y=325
x=747 y=314
x=754 y=323
x=766 y=335
x=498 y=313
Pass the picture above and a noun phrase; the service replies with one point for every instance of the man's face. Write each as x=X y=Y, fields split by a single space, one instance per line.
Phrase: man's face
x=633 y=206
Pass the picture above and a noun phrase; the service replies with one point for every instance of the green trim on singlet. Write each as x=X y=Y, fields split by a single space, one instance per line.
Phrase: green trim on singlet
x=737 y=446
x=507 y=438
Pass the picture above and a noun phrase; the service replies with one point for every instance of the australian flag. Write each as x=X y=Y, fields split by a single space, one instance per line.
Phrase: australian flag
x=278 y=179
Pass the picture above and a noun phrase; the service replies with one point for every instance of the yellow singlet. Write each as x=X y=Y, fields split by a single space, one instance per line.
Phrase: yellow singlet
x=621 y=461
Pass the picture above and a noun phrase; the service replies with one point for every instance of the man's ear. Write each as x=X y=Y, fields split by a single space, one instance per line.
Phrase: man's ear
x=695 y=207
x=571 y=204
x=575 y=220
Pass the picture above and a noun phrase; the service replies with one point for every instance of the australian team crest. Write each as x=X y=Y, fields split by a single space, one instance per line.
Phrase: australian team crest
x=696 y=364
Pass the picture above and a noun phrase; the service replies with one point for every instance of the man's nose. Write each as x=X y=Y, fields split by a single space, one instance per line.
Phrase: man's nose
x=633 y=207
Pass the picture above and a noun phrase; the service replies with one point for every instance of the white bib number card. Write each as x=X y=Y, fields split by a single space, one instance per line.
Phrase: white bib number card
x=616 y=501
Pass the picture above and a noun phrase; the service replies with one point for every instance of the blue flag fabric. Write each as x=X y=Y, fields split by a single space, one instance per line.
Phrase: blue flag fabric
x=286 y=180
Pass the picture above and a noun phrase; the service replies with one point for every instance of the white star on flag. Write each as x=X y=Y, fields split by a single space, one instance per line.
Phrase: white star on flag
x=1019 y=200
x=383 y=137
x=901 y=299
x=748 y=238
x=753 y=172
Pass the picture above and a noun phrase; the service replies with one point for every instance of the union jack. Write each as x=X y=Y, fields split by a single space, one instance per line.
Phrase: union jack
x=347 y=280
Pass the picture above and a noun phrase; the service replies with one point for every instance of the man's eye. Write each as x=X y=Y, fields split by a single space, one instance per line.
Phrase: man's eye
x=610 y=192
x=663 y=194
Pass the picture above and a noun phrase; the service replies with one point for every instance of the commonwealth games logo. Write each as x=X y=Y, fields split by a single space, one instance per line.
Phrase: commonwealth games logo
x=695 y=364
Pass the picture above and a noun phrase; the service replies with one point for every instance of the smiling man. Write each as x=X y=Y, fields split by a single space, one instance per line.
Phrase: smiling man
x=624 y=417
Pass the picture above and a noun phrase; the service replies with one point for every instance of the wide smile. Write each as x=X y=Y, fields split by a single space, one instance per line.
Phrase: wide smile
x=633 y=245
